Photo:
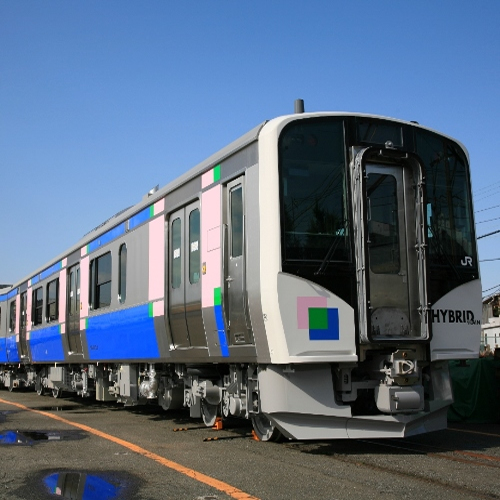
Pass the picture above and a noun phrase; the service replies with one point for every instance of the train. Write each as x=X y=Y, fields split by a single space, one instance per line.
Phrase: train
x=315 y=276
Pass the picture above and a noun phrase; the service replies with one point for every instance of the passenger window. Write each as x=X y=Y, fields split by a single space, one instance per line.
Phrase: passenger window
x=12 y=316
x=194 y=246
x=52 y=309
x=122 y=279
x=37 y=306
x=236 y=222
x=92 y=284
x=100 y=281
x=176 y=253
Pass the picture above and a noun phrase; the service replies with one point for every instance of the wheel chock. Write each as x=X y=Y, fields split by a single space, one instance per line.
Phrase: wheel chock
x=255 y=437
x=219 y=425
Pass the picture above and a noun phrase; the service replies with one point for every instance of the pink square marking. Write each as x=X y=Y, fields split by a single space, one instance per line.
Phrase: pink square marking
x=303 y=305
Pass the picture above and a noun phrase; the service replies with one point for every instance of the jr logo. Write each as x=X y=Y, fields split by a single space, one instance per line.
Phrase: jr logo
x=467 y=261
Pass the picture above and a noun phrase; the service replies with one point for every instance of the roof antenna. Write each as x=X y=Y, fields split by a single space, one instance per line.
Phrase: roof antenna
x=299 y=105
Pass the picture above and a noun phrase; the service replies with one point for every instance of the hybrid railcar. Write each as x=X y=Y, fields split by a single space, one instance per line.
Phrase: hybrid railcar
x=314 y=276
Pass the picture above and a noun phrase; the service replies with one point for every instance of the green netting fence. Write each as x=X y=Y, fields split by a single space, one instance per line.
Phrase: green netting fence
x=476 y=390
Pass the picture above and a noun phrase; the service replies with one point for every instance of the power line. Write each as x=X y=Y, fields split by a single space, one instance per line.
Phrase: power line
x=488 y=234
x=484 y=209
x=489 y=220
x=493 y=287
x=489 y=260
x=486 y=196
x=486 y=188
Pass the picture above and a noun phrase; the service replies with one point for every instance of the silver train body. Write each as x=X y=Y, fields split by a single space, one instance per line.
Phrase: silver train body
x=315 y=276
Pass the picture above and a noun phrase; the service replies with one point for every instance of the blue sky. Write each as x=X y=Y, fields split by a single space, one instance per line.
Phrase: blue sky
x=102 y=100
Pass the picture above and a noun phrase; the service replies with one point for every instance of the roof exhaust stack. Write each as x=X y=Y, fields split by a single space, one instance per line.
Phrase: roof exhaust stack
x=299 y=105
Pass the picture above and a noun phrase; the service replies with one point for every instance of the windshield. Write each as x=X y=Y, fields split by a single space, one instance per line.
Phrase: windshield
x=312 y=163
x=449 y=211
x=315 y=223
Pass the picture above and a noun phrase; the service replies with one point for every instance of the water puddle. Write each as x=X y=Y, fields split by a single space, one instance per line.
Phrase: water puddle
x=57 y=408
x=82 y=486
x=28 y=438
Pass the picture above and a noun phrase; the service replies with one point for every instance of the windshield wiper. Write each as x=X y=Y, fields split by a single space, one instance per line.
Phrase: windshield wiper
x=331 y=250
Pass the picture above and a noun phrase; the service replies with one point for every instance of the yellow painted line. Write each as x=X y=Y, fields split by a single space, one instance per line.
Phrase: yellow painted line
x=461 y=460
x=198 y=476
x=473 y=432
x=478 y=455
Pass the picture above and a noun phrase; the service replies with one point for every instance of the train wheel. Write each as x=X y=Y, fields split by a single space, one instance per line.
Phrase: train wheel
x=39 y=388
x=208 y=413
x=264 y=429
x=57 y=392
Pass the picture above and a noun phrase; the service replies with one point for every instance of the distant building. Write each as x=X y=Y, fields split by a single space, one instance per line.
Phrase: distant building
x=490 y=323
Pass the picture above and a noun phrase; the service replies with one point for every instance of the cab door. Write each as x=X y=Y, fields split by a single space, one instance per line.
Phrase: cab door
x=388 y=271
x=391 y=239
x=388 y=221
x=236 y=303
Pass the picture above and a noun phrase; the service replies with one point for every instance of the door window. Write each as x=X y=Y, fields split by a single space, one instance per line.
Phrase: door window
x=176 y=253
x=383 y=228
x=194 y=246
x=236 y=205
x=72 y=293
x=24 y=304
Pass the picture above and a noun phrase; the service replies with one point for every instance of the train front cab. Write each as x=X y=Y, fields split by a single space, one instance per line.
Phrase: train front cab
x=376 y=225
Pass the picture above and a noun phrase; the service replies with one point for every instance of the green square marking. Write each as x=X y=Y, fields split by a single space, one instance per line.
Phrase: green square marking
x=217 y=173
x=152 y=211
x=318 y=318
x=217 y=297
x=150 y=309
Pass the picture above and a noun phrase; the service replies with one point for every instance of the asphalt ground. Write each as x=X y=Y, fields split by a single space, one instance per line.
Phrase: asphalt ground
x=81 y=449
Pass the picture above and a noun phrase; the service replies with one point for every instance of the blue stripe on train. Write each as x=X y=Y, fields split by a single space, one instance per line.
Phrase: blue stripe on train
x=3 y=350
x=127 y=334
x=106 y=237
x=221 y=331
x=12 y=352
x=46 y=344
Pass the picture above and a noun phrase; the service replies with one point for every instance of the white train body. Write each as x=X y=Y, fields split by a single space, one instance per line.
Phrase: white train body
x=315 y=276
